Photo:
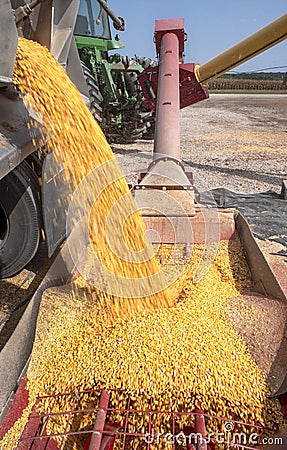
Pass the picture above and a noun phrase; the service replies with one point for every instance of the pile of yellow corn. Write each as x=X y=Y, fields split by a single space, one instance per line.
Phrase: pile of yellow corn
x=188 y=353
x=180 y=357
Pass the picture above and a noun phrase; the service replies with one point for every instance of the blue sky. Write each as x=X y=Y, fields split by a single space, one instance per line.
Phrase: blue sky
x=212 y=27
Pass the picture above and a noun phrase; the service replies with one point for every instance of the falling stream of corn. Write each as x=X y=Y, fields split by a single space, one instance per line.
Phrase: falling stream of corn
x=174 y=345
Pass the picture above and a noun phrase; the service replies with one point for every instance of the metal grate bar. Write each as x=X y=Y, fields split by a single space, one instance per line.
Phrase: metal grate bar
x=126 y=422
x=100 y=421
x=103 y=433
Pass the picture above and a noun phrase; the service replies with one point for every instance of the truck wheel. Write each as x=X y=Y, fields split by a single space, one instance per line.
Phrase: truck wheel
x=19 y=219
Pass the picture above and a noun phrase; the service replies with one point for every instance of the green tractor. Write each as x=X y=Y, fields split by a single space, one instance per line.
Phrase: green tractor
x=115 y=94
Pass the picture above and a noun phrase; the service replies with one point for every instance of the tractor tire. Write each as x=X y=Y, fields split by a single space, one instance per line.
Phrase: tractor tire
x=139 y=122
x=94 y=93
x=20 y=219
x=133 y=126
x=135 y=121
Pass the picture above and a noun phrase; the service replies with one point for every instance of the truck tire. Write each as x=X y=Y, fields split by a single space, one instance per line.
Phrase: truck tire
x=20 y=221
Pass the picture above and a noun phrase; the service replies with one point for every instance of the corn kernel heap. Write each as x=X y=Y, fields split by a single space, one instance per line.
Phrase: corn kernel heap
x=188 y=351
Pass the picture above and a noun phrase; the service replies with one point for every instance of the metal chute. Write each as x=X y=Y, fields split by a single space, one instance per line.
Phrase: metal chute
x=8 y=42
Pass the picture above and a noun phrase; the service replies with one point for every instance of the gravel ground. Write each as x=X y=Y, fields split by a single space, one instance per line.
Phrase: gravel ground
x=234 y=141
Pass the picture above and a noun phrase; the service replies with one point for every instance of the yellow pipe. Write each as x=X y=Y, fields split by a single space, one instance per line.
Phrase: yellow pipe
x=257 y=43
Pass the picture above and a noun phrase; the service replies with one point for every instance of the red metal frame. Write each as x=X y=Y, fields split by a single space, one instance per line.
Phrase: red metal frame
x=205 y=227
x=190 y=90
x=103 y=434
x=160 y=84
x=164 y=88
x=167 y=126
x=174 y=26
x=19 y=403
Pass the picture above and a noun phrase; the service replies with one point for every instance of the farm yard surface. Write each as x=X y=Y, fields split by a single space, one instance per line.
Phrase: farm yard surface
x=235 y=142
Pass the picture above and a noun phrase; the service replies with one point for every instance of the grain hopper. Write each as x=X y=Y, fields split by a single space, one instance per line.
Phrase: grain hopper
x=171 y=208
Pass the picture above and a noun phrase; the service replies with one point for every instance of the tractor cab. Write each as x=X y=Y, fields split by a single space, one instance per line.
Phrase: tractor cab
x=92 y=20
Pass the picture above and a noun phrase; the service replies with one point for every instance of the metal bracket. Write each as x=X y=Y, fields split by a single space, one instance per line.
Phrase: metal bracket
x=163 y=188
